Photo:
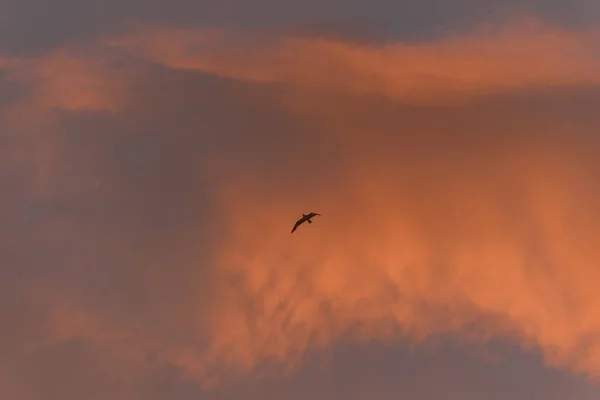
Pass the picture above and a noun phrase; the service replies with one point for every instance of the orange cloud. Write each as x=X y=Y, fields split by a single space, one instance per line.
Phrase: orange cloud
x=4 y=62
x=501 y=245
x=70 y=81
x=64 y=80
x=450 y=69
x=11 y=386
x=474 y=225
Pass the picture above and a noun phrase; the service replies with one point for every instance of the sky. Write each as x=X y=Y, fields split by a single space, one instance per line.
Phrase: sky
x=154 y=157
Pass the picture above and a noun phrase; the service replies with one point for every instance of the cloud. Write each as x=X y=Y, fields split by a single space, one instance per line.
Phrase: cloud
x=12 y=387
x=71 y=79
x=42 y=89
x=4 y=62
x=490 y=59
x=482 y=233
x=170 y=190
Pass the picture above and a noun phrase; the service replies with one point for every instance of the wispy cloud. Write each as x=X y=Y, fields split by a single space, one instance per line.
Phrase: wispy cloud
x=475 y=220
x=491 y=60
x=443 y=240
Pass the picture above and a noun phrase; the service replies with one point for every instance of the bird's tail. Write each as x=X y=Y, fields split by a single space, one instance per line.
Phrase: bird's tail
x=309 y=221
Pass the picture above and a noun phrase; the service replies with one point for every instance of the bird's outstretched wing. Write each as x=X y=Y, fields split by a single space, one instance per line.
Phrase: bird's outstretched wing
x=300 y=221
x=312 y=214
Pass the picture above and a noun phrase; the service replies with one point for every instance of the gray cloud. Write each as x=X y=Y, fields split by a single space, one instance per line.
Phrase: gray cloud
x=32 y=25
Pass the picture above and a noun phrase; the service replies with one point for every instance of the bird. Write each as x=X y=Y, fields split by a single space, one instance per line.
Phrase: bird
x=305 y=218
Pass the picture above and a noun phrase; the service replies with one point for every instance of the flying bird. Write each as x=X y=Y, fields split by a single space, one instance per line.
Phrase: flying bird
x=305 y=218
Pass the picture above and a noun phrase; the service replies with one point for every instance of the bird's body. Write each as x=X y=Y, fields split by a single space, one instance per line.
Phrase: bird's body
x=305 y=218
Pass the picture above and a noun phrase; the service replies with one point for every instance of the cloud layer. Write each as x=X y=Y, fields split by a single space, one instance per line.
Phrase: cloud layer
x=491 y=59
x=158 y=174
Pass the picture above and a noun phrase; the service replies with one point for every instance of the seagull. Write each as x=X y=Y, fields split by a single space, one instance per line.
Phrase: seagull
x=305 y=217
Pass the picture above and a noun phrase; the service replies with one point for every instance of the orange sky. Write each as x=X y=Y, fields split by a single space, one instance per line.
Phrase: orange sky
x=429 y=235
x=490 y=59
x=456 y=181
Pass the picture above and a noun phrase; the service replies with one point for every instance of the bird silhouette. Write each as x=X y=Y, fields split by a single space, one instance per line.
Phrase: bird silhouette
x=305 y=218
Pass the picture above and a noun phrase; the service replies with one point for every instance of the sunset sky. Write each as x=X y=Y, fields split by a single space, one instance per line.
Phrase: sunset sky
x=155 y=155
